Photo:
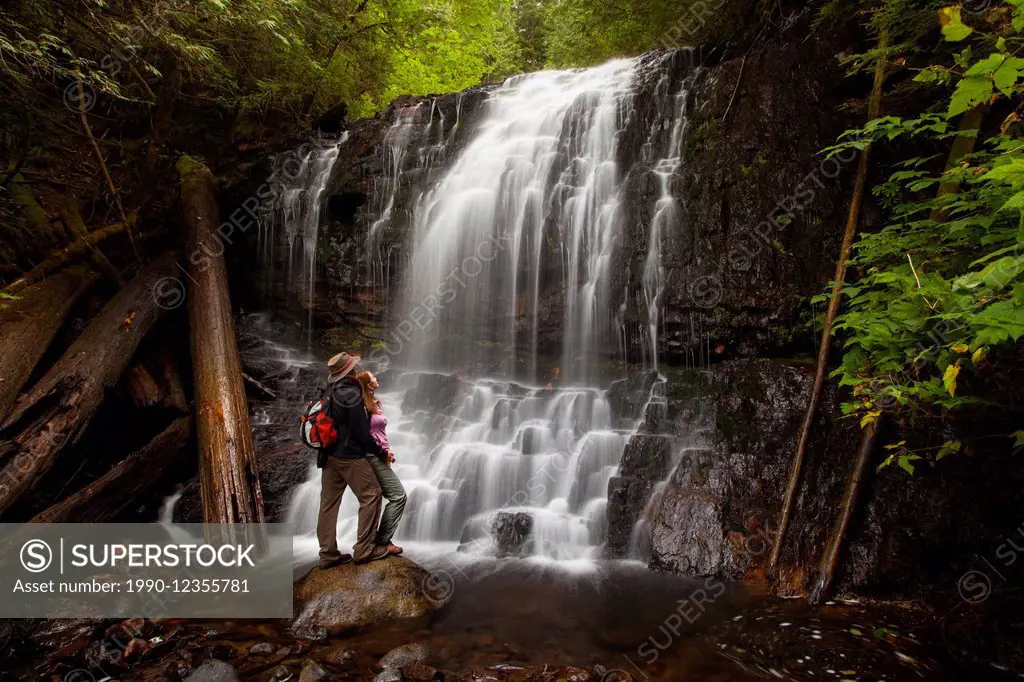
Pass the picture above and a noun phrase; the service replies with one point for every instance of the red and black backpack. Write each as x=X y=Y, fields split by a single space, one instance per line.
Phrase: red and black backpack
x=317 y=428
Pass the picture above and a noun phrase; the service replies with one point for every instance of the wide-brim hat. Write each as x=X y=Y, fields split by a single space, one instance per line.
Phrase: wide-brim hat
x=340 y=366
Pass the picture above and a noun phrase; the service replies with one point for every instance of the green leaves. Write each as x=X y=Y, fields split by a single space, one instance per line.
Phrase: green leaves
x=949 y=377
x=953 y=28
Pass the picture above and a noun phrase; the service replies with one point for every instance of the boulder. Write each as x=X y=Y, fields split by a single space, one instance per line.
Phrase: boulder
x=511 y=531
x=404 y=655
x=313 y=672
x=350 y=596
x=213 y=671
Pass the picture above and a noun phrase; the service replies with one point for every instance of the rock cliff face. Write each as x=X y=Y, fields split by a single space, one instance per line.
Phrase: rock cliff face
x=759 y=219
x=699 y=490
x=759 y=216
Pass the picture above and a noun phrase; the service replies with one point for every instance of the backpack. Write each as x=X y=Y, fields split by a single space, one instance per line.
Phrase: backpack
x=317 y=429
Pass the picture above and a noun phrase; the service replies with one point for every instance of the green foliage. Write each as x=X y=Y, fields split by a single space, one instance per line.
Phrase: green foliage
x=940 y=303
x=258 y=53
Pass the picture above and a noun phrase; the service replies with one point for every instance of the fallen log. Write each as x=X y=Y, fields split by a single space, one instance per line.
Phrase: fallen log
x=175 y=397
x=142 y=387
x=228 y=478
x=111 y=494
x=54 y=414
x=73 y=221
x=62 y=257
x=29 y=324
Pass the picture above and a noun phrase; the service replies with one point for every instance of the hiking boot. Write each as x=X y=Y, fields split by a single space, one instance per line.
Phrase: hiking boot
x=331 y=563
x=378 y=553
x=392 y=548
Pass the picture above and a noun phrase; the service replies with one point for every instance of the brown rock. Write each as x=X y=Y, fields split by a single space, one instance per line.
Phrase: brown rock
x=351 y=596
x=135 y=649
x=418 y=672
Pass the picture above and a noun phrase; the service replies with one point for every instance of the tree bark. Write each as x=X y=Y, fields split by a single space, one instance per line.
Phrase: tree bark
x=73 y=221
x=62 y=257
x=834 y=546
x=108 y=496
x=171 y=379
x=55 y=413
x=961 y=147
x=852 y=218
x=142 y=387
x=29 y=324
x=228 y=476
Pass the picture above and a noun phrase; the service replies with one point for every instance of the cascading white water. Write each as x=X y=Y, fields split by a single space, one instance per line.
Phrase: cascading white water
x=667 y=214
x=535 y=193
x=297 y=213
x=540 y=170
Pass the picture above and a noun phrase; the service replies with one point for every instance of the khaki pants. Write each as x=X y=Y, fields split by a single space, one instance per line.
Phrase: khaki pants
x=336 y=475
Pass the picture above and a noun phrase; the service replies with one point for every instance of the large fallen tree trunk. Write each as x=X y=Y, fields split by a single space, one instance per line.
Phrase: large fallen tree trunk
x=55 y=413
x=62 y=257
x=108 y=496
x=29 y=324
x=228 y=478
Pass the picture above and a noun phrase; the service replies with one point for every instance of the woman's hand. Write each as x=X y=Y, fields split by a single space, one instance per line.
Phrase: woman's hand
x=391 y=456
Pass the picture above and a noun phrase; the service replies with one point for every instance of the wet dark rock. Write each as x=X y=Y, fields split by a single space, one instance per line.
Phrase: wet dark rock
x=313 y=672
x=213 y=671
x=308 y=632
x=332 y=120
x=433 y=392
x=261 y=649
x=341 y=655
x=511 y=532
x=419 y=672
x=351 y=596
x=407 y=654
x=281 y=470
x=281 y=674
x=135 y=649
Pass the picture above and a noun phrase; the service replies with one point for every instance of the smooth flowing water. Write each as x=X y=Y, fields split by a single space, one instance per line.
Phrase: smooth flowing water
x=505 y=446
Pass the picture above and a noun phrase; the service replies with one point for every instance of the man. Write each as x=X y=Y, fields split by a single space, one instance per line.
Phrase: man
x=346 y=465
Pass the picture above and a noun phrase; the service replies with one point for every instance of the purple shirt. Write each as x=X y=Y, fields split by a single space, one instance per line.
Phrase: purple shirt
x=378 y=428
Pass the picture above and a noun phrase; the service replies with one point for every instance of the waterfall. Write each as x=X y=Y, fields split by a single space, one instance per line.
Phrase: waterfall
x=666 y=217
x=293 y=226
x=539 y=178
x=514 y=286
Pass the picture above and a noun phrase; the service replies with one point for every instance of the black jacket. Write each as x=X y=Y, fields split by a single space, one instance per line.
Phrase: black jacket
x=352 y=422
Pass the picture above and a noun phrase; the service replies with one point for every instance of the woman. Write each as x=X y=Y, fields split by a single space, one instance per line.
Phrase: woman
x=391 y=487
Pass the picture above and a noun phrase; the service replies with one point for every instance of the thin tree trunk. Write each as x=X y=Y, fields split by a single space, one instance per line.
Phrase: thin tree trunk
x=103 y=166
x=62 y=257
x=962 y=146
x=228 y=477
x=834 y=546
x=73 y=221
x=793 y=484
x=259 y=386
x=54 y=414
x=108 y=496
x=29 y=324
